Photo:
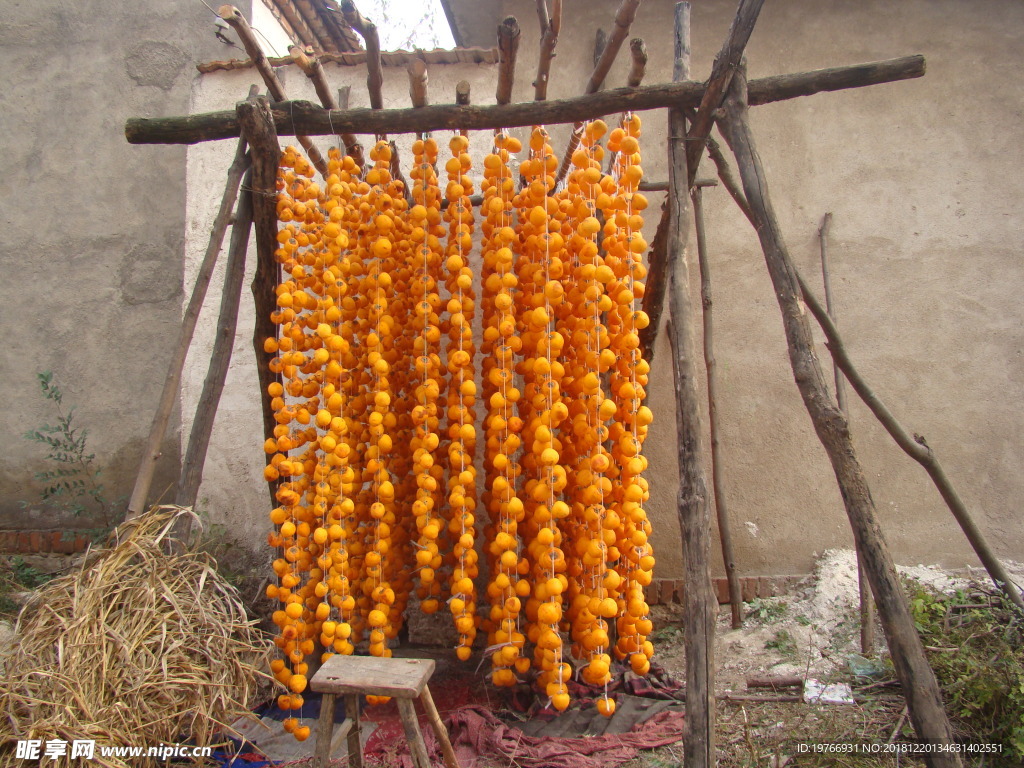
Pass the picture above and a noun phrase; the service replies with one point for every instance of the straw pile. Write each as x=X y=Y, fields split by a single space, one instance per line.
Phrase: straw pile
x=137 y=647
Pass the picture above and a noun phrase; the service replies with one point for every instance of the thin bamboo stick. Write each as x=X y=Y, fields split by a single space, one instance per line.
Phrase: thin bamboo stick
x=711 y=369
x=867 y=606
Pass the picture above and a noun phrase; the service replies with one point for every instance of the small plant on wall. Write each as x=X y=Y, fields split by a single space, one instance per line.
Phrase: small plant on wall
x=71 y=479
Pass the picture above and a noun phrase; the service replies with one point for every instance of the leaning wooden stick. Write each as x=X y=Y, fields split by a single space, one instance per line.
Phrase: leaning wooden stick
x=220 y=360
x=172 y=381
x=418 y=79
x=725 y=64
x=710 y=367
x=917 y=448
x=371 y=39
x=924 y=698
x=694 y=505
x=234 y=17
x=623 y=21
x=867 y=606
x=314 y=70
x=701 y=122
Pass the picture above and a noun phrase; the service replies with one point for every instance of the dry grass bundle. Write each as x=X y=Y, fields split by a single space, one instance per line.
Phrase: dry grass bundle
x=137 y=647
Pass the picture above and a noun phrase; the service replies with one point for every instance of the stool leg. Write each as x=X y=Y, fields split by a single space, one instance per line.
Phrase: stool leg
x=440 y=731
x=355 y=744
x=324 y=732
x=412 y=733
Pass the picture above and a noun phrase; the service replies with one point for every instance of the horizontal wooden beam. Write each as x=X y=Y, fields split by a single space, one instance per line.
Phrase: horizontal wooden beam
x=308 y=119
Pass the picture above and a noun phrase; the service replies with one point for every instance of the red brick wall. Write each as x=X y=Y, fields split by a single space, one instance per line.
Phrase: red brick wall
x=43 y=542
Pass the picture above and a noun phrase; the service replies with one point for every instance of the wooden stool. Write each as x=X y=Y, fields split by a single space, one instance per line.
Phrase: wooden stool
x=402 y=679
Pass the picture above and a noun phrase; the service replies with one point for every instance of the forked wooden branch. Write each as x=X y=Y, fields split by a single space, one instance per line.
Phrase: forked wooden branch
x=462 y=90
x=233 y=16
x=301 y=116
x=924 y=699
x=624 y=17
x=508 y=48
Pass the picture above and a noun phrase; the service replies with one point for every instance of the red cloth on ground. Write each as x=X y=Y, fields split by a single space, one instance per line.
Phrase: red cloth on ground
x=476 y=733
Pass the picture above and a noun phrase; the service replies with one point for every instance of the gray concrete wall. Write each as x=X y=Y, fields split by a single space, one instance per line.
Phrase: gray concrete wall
x=93 y=229
x=923 y=178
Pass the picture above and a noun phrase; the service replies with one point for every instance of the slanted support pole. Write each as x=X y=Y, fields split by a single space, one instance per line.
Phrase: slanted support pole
x=234 y=17
x=917 y=448
x=694 y=507
x=216 y=374
x=314 y=70
x=172 y=381
x=258 y=128
x=924 y=700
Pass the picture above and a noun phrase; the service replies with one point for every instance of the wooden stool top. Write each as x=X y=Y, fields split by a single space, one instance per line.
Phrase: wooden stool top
x=373 y=675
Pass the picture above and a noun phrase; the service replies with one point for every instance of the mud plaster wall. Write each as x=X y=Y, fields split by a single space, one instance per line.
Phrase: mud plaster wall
x=922 y=178
x=93 y=230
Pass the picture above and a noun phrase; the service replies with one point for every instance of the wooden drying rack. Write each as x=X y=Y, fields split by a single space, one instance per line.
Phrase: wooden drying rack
x=694 y=108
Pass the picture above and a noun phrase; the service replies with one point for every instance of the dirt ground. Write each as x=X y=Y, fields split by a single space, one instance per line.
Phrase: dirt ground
x=812 y=633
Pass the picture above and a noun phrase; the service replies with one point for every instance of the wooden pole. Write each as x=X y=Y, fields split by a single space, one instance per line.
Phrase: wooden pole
x=314 y=70
x=371 y=39
x=699 y=604
x=234 y=17
x=867 y=606
x=462 y=91
x=508 y=48
x=259 y=131
x=549 y=28
x=172 y=381
x=638 y=62
x=624 y=17
x=309 y=119
x=721 y=75
x=717 y=464
x=418 y=79
x=924 y=699
x=916 y=447
x=700 y=128
x=220 y=360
